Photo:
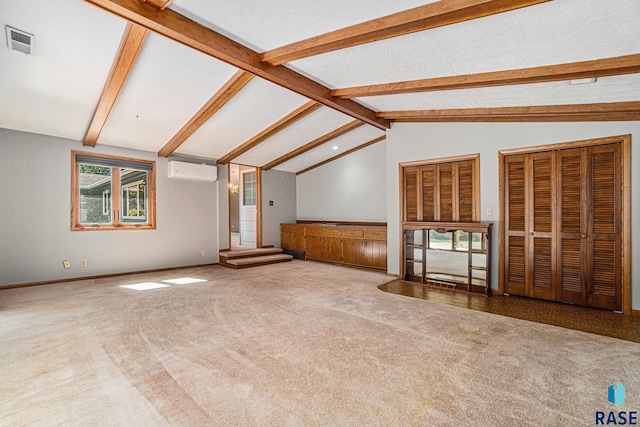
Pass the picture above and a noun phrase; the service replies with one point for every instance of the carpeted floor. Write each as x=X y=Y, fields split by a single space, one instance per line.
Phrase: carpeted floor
x=290 y=344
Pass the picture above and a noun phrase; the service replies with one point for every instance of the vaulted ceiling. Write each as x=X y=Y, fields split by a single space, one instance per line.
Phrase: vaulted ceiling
x=279 y=84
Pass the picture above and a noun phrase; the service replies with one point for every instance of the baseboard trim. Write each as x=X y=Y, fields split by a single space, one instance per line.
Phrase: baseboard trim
x=102 y=276
x=635 y=313
x=397 y=276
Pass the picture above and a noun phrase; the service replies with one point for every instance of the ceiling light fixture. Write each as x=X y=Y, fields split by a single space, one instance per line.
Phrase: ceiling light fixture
x=583 y=81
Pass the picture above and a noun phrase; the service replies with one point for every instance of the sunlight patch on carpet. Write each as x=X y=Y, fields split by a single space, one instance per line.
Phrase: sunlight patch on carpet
x=184 y=281
x=145 y=286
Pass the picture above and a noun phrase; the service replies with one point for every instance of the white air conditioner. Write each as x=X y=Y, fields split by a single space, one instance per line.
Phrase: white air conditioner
x=194 y=171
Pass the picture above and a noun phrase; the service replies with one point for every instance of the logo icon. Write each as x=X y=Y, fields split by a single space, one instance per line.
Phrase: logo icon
x=616 y=394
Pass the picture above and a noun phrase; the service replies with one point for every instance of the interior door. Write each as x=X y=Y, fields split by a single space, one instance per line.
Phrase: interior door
x=248 y=211
x=516 y=218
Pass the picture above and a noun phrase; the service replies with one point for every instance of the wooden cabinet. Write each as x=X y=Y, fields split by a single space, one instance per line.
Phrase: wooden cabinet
x=455 y=255
x=292 y=240
x=563 y=225
x=445 y=190
x=364 y=246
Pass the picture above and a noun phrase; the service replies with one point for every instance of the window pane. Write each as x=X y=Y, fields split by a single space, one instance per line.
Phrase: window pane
x=94 y=183
x=133 y=189
x=249 y=188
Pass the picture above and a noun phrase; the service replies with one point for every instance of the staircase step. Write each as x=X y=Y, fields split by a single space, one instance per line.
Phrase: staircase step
x=245 y=253
x=255 y=260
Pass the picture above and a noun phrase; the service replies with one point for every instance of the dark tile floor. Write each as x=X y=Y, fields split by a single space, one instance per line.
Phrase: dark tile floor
x=585 y=319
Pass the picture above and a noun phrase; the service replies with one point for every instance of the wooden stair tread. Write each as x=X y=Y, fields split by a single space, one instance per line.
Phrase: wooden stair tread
x=246 y=253
x=256 y=260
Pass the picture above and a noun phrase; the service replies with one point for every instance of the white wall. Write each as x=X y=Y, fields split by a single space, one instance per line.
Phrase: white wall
x=348 y=189
x=418 y=141
x=35 y=200
x=280 y=188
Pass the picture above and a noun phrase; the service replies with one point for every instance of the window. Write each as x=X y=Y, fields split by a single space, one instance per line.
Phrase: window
x=112 y=193
x=249 y=188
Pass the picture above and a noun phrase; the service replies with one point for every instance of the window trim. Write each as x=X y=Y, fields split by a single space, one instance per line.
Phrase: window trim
x=115 y=195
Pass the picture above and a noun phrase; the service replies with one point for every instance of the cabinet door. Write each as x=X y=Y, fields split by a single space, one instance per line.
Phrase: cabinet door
x=314 y=247
x=353 y=251
x=377 y=253
x=332 y=249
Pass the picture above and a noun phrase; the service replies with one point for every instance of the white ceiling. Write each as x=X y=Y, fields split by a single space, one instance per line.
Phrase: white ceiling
x=56 y=91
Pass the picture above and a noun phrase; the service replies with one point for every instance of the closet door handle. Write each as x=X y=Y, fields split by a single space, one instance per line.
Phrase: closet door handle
x=584 y=236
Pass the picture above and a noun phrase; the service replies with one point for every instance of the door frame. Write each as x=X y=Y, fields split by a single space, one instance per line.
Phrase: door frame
x=258 y=203
x=625 y=140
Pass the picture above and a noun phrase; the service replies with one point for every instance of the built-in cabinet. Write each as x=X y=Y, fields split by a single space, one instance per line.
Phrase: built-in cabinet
x=563 y=225
x=363 y=246
x=454 y=255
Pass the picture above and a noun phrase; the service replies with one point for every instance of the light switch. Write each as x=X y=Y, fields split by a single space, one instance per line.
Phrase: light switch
x=489 y=212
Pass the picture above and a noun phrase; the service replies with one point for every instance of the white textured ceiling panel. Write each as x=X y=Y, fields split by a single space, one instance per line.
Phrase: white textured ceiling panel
x=256 y=107
x=315 y=125
x=605 y=89
x=550 y=33
x=266 y=25
x=344 y=143
x=55 y=91
x=168 y=85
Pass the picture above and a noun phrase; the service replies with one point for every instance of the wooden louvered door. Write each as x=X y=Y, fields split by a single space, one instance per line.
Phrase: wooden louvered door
x=440 y=192
x=541 y=226
x=515 y=225
x=563 y=225
x=589 y=186
x=530 y=224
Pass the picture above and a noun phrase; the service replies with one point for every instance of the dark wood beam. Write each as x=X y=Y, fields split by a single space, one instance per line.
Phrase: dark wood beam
x=217 y=101
x=614 y=111
x=315 y=143
x=620 y=65
x=346 y=153
x=130 y=46
x=188 y=32
x=278 y=126
x=433 y=15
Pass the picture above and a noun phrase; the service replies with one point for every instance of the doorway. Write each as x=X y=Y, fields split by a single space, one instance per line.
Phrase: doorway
x=244 y=207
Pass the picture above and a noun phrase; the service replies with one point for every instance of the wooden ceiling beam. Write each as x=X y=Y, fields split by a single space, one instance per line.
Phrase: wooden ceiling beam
x=278 y=126
x=217 y=101
x=188 y=32
x=313 y=144
x=619 y=65
x=346 y=153
x=433 y=15
x=614 y=111
x=130 y=46
x=158 y=4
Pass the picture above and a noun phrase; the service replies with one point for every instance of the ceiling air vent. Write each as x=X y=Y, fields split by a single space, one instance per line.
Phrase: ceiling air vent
x=20 y=41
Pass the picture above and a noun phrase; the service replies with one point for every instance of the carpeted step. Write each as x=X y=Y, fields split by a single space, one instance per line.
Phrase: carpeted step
x=255 y=260
x=245 y=253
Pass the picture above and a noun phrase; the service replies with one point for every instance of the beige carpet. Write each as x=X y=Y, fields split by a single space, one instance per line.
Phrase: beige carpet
x=291 y=344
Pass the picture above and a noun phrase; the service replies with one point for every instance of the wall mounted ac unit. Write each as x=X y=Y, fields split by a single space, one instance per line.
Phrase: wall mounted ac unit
x=194 y=171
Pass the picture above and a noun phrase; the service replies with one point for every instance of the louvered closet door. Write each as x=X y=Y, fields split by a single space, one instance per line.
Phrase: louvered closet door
x=515 y=224
x=572 y=226
x=410 y=193
x=429 y=193
x=541 y=282
x=446 y=188
x=465 y=191
x=604 y=242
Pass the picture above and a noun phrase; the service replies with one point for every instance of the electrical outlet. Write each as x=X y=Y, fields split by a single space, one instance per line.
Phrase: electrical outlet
x=203 y=253
x=489 y=212
x=366 y=216
x=83 y=263
x=66 y=263
x=320 y=216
